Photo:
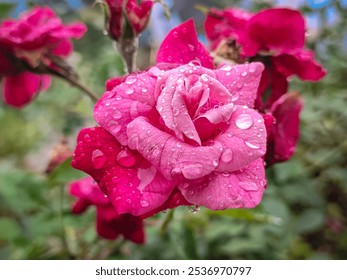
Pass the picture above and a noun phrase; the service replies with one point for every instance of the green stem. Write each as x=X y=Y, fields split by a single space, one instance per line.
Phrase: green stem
x=165 y=225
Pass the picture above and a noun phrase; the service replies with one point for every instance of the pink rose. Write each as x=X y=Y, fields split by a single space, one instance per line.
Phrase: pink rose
x=109 y=224
x=29 y=48
x=179 y=133
x=137 y=14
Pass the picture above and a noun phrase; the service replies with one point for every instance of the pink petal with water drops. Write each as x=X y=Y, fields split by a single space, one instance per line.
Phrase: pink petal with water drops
x=241 y=81
x=128 y=100
x=172 y=108
x=131 y=183
x=243 y=141
x=242 y=188
x=181 y=46
x=171 y=157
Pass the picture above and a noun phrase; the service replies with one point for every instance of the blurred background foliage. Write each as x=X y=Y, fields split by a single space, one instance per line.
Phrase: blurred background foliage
x=304 y=209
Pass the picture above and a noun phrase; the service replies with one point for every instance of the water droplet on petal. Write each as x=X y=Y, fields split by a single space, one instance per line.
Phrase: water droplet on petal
x=114 y=127
x=98 y=159
x=251 y=68
x=117 y=114
x=118 y=98
x=227 y=74
x=252 y=145
x=191 y=47
x=192 y=170
x=129 y=91
x=244 y=74
x=144 y=90
x=175 y=34
x=130 y=80
x=249 y=186
x=194 y=63
x=244 y=121
x=226 y=68
x=125 y=158
x=178 y=145
x=215 y=162
x=204 y=77
x=87 y=138
x=226 y=174
x=128 y=201
x=169 y=58
x=227 y=155
x=144 y=203
x=235 y=97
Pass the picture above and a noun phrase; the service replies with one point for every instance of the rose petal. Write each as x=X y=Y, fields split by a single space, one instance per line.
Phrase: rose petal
x=132 y=185
x=285 y=131
x=242 y=81
x=181 y=45
x=20 y=89
x=239 y=189
x=301 y=63
x=171 y=157
x=243 y=141
x=278 y=29
x=130 y=99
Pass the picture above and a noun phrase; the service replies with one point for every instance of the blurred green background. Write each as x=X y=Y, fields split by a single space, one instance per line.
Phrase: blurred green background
x=304 y=209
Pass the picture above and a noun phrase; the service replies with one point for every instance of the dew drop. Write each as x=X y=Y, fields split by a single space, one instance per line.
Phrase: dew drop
x=169 y=58
x=191 y=47
x=244 y=121
x=227 y=74
x=192 y=170
x=114 y=127
x=144 y=90
x=249 y=186
x=252 y=68
x=117 y=114
x=227 y=155
x=87 y=138
x=204 y=77
x=175 y=34
x=118 y=98
x=226 y=175
x=252 y=145
x=194 y=63
x=144 y=203
x=235 y=97
x=128 y=201
x=125 y=158
x=98 y=159
x=129 y=91
x=130 y=80
x=215 y=162
x=226 y=68
x=244 y=74
x=178 y=145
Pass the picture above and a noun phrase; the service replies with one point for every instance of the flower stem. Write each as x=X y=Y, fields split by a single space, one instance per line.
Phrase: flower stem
x=127 y=47
x=83 y=88
x=167 y=221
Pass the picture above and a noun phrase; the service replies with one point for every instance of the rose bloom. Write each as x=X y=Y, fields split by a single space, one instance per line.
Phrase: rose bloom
x=29 y=48
x=109 y=224
x=178 y=133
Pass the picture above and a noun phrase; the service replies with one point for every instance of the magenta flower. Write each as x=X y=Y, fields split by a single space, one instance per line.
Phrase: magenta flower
x=29 y=49
x=282 y=125
x=109 y=224
x=275 y=36
x=179 y=133
x=137 y=14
